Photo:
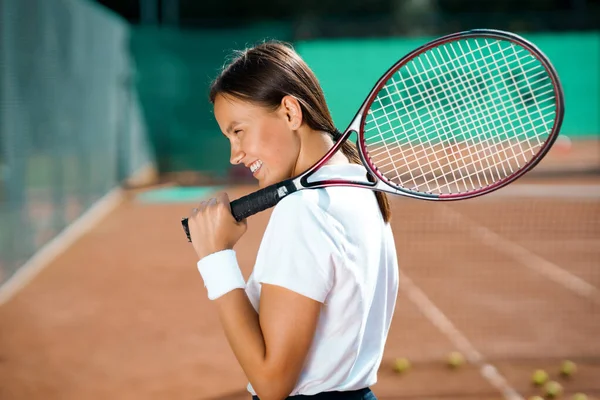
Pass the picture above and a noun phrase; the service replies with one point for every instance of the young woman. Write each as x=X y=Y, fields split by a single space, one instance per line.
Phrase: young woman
x=313 y=318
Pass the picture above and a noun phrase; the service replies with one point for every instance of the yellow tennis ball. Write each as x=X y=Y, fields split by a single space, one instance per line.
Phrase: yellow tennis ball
x=455 y=359
x=539 y=377
x=579 y=396
x=553 y=389
x=401 y=364
x=568 y=368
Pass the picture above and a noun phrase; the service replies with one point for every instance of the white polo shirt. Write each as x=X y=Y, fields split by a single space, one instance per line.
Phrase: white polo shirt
x=332 y=245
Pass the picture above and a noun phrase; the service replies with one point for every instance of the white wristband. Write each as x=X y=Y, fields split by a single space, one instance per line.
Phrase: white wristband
x=221 y=273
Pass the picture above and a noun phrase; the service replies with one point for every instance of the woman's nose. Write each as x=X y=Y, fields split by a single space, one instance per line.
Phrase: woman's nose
x=236 y=153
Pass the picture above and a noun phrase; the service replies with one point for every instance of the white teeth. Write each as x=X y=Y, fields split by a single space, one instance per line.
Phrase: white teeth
x=255 y=165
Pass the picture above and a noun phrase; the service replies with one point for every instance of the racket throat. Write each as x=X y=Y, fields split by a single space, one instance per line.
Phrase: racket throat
x=288 y=187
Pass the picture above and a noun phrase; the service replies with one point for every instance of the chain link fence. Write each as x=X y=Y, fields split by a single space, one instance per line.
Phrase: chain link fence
x=70 y=126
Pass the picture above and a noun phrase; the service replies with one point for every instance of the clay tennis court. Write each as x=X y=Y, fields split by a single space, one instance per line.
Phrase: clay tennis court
x=512 y=280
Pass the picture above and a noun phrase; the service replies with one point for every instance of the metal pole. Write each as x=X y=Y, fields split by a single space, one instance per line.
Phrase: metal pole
x=170 y=12
x=149 y=12
x=579 y=11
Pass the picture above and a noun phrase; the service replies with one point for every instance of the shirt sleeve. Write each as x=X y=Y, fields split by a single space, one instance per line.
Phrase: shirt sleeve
x=299 y=248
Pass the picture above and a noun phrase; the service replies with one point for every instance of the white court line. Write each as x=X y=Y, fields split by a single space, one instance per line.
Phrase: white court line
x=435 y=315
x=60 y=243
x=526 y=257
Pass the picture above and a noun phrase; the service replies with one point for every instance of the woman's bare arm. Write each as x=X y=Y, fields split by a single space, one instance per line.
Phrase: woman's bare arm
x=272 y=347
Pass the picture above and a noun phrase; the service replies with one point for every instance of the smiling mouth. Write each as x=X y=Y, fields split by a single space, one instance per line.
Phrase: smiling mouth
x=255 y=166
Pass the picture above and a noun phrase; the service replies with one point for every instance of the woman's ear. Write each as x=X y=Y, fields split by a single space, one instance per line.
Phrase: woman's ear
x=293 y=112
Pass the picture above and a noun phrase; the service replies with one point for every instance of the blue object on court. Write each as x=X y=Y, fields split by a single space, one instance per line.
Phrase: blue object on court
x=177 y=194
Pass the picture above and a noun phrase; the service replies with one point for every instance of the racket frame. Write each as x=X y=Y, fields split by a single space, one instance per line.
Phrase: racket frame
x=489 y=33
x=282 y=189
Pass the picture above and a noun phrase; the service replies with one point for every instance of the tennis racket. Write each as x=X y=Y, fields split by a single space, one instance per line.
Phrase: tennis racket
x=458 y=117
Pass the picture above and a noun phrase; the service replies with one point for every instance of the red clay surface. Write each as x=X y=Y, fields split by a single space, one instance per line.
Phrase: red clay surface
x=123 y=313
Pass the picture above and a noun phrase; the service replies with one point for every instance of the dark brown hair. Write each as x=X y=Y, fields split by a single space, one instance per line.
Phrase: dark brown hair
x=268 y=72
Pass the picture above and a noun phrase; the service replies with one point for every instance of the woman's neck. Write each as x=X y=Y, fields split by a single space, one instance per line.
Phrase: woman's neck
x=313 y=146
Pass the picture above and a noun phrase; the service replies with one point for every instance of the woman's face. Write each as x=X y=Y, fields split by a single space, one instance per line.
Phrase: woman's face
x=261 y=139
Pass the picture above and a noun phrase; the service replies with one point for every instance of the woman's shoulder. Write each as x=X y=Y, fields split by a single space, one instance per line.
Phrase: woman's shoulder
x=299 y=219
x=301 y=205
x=305 y=211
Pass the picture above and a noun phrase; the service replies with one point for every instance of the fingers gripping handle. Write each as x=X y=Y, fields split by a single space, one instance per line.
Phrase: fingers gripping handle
x=253 y=203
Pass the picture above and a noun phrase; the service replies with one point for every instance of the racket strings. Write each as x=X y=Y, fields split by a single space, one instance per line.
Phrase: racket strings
x=415 y=132
x=488 y=155
x=551 y=90
x=518 y=92
x=448 y=158
x=414 y=129
x=488 y=147
x=416 y=86
x=479 y=107
x=527 y=81
x=473 y=100
x=425 y=151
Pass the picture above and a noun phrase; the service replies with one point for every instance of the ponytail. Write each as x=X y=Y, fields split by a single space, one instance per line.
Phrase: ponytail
x=351 y=152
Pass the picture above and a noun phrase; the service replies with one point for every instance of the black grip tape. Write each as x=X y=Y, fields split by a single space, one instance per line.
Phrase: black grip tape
x=186 y=229
x=258 y=201
x=253 y=203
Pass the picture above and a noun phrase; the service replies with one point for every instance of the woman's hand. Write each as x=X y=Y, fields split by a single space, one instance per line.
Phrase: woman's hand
x=213 y=228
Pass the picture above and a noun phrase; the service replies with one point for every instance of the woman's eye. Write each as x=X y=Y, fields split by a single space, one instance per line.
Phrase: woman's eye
x=237 y=131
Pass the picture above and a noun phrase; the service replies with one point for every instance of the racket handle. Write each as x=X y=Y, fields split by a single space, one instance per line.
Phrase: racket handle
x=253 y=203
x=260 y=200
